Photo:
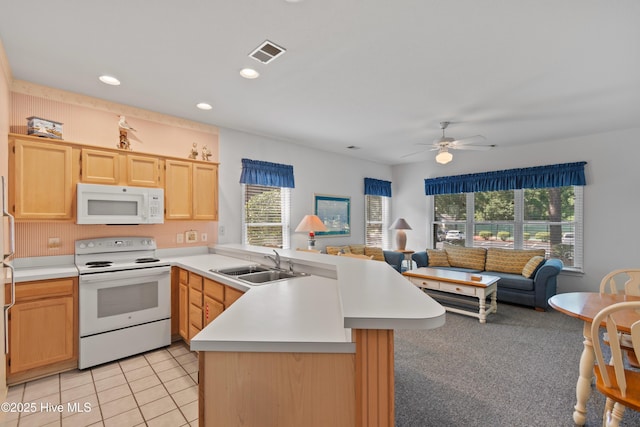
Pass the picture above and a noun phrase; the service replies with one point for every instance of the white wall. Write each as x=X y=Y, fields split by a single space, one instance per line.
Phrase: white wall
x=611 y=196
x=314 y=171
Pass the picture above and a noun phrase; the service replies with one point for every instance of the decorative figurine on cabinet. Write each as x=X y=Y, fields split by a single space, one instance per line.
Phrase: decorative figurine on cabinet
x=206 y=153
x=194 y=151
x=124 y=139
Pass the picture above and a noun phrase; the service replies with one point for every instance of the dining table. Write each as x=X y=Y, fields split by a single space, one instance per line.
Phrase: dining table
x=585 y=306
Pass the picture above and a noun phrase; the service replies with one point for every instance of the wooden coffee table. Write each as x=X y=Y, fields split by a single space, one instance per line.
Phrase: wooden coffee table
x=458 y=283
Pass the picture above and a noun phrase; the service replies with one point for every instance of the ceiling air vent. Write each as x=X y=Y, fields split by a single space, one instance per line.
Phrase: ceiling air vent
x=267 y=52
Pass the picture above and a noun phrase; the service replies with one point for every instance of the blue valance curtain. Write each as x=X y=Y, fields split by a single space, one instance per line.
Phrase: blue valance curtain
x=377 y=187
x=511 y=179
x=257 y=172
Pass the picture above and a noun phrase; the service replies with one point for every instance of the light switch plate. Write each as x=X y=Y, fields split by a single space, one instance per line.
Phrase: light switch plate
x=203 y=237
x=179 y=238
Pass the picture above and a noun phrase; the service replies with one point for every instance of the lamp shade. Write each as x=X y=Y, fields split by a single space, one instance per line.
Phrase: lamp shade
x=400 y=224
x=311 y=223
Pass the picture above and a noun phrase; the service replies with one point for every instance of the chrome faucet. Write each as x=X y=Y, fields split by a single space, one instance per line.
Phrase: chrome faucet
x=275 y=259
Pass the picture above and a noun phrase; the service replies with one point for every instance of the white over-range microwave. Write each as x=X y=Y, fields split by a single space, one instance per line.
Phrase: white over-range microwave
x=116 y=204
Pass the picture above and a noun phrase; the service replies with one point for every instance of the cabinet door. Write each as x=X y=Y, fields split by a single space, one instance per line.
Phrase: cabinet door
x=43 y=328
x=143 y=171
x=211 y=310
x=231 y=295
x=100 y=167
x=40 y=333
x=43 y=183
x=205 y=191
x=183 y=301
x=178 y=190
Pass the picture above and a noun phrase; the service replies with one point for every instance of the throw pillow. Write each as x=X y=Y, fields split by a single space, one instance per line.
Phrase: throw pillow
x=532 y=266
x=461 y=256
x=377 y=253
x=510 y=260
x=357 y=249
x=437 y=258
x=334 y=250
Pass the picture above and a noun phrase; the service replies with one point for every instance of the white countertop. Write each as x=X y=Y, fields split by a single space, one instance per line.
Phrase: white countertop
x=315 y=313
x=305 y=314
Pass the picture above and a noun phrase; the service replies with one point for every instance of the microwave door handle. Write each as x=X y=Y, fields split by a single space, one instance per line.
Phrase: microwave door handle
x=8 y=306
x=145 y=205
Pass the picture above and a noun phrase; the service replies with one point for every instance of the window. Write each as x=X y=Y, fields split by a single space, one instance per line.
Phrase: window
x=537 y=207
x=549 y=218
x=377 y=196
x=266 y=216
x=376 y=221
x=266 y=203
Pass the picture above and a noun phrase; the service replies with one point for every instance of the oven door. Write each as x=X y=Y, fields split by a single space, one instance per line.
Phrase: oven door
x=119 y=299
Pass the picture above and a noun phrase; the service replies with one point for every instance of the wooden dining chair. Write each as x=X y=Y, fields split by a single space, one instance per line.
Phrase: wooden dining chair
x=623 y=281
x=621 y=386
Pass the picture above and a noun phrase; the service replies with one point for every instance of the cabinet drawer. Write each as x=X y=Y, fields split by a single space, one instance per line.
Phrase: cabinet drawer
x=214 y=290
x=195 y=316
x=425 y=283
x=457 y=289
x=183 y=276
x=43 y=289
x=195 y=282
x=195 y=297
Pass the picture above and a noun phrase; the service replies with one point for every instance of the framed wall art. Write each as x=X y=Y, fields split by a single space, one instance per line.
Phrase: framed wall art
x=335 y=213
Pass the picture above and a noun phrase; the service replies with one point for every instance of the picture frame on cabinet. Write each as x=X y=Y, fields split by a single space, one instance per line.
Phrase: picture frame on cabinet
x=335 y=213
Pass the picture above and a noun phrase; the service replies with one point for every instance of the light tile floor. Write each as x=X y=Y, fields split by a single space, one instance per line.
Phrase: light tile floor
x=158 y=388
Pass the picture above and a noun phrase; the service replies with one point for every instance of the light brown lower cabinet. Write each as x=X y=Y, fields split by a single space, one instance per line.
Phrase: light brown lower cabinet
x=295 y=389
x=199 y=301
x=43 y=329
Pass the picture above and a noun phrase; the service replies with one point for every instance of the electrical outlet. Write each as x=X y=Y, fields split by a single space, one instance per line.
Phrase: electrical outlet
x=179 y=238
x=191 y=236
x=221 y=230
x=203 y=237
x=54 y=243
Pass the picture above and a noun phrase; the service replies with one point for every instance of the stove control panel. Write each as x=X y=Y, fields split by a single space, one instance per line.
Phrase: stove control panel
x=114 y=244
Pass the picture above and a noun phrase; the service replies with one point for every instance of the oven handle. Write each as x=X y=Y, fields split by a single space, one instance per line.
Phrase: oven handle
x=125 y=274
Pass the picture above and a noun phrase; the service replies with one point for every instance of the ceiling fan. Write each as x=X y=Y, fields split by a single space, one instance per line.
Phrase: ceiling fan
x=445 y=143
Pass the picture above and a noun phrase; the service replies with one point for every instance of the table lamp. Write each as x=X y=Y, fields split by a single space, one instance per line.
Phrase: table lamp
x=401 y=237
x=311 y=223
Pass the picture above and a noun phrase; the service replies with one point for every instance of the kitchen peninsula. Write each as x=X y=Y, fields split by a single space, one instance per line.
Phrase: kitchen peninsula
x=314 y=350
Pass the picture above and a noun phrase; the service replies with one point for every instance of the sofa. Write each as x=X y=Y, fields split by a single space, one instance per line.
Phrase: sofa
x=526 y=277
x=392 y=258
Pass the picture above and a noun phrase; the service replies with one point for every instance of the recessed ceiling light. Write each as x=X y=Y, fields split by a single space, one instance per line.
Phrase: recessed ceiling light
x=249 y=73
x=204 y=106
x=110 y=80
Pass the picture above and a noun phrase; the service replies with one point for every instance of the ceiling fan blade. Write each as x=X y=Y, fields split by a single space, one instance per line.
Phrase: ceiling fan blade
x=472 y=147
x=469 y=140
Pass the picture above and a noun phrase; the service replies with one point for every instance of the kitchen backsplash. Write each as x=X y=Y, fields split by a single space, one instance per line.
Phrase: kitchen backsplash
x=36 y=239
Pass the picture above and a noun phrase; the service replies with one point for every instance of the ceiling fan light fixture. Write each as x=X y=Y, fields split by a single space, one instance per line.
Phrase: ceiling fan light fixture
x=444 y=156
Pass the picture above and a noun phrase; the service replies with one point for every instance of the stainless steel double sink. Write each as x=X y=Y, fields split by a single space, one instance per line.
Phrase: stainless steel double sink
x=258 y=274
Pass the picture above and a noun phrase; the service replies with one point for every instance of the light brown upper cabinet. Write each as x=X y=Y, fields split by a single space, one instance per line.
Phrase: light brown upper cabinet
x=42 y=179
x=100 y=167
x=114 y=168
x=191 y=190
x=143 y=171
x=43 y=174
